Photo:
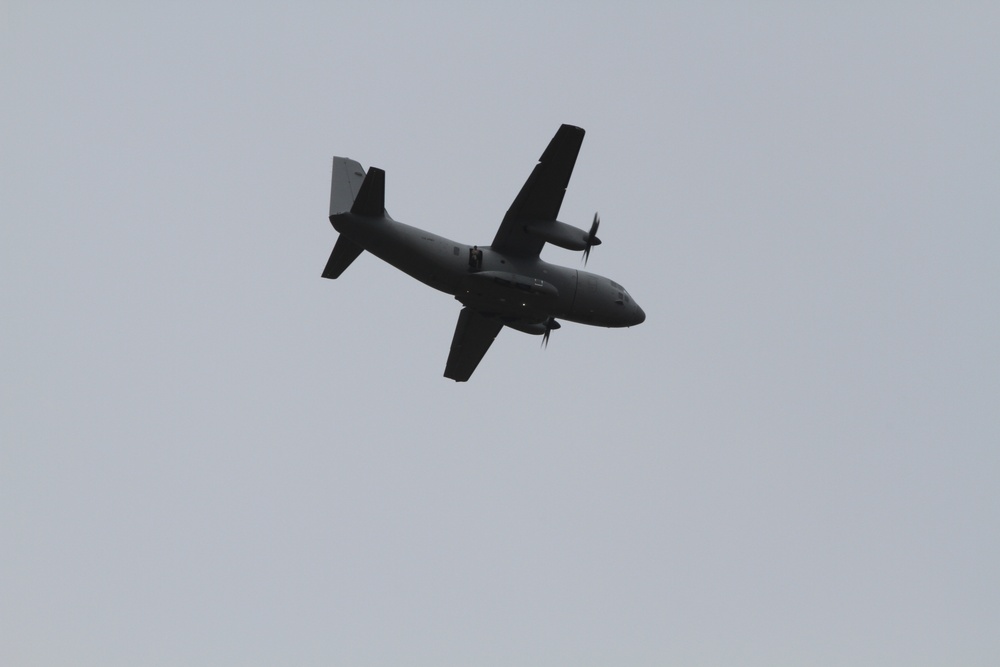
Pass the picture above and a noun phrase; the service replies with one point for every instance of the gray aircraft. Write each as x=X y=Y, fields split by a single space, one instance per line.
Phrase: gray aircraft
x=503 y=284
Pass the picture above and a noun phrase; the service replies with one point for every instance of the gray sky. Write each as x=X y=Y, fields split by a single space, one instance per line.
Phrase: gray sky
x=211 y=456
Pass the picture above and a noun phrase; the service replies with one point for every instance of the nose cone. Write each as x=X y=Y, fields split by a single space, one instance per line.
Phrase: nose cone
x=638 y=315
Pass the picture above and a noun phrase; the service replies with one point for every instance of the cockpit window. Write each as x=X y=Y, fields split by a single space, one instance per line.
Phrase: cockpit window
x=622 y=297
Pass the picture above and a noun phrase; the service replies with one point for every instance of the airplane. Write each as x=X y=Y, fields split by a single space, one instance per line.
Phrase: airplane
x=503 y=284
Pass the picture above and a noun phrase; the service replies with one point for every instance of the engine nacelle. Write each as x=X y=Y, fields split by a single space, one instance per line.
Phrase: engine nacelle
x=533 y=328
x=560 y=234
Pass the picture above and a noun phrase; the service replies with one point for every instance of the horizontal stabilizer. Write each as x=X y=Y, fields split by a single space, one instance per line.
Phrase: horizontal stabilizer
x=344 y=252
x=347 y=178
x=370 y=201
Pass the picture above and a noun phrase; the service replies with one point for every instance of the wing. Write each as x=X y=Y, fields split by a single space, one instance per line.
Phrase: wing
x=541 y=195
x=474 y=334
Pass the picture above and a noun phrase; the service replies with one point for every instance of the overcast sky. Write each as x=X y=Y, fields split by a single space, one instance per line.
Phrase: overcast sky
x=211 y=456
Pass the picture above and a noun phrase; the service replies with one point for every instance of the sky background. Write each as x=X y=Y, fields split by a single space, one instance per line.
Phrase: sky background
x=211 y=456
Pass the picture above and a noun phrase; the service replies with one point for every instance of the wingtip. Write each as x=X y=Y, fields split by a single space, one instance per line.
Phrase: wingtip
x=566 y=141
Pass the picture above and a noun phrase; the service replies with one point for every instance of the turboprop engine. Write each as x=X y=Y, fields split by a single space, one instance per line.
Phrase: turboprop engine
x=542 y=329
x=566 y=236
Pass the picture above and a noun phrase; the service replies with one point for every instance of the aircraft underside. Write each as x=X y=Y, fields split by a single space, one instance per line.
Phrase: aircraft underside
x=504 y=284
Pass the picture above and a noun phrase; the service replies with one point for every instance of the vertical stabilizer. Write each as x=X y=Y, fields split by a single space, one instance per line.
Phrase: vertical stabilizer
x=370 y=200
x=347 y=183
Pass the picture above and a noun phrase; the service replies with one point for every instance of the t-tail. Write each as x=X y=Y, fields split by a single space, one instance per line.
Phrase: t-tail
x=351 y=191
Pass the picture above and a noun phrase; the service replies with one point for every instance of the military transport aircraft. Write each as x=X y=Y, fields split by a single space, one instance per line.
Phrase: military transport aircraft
x=504 y=284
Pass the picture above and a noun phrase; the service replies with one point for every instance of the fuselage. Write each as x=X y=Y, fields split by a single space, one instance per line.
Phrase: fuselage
x=524 y=292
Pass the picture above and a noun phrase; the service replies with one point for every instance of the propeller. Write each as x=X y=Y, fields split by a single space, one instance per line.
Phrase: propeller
x=592 y=239
x=550 y=324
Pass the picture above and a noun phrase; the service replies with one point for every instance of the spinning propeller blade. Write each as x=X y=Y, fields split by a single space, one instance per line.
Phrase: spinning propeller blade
x=550 y=324
x=592 y=239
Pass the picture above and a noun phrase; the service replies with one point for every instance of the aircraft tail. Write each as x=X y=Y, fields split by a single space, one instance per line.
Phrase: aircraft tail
x=353 y=191
x=348 y=176
x=370 y=200
x=344 y=252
